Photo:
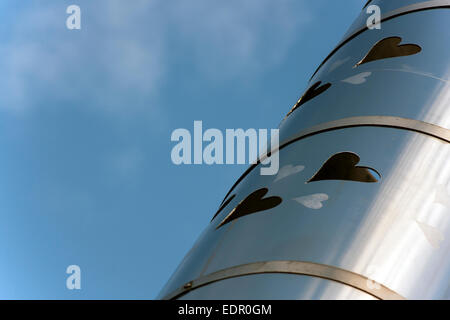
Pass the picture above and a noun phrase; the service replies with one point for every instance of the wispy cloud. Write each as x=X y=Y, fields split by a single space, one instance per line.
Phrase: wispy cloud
x=121 y=57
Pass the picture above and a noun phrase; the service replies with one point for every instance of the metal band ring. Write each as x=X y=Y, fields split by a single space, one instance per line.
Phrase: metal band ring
x=427 y=5
x=291 y=267
x=365 y=121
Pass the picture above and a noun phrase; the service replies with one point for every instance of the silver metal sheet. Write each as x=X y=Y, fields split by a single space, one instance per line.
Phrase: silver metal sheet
x=358 y=193
x=268 y=287
x=384 y=87
x=393 y=231
x=392 y=8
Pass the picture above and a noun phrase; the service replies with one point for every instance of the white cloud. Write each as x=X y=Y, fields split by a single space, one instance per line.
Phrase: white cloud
x=126 y=163
x=123 y=47
x=228 y=36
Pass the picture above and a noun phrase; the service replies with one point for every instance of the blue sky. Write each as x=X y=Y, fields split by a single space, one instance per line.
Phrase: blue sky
x=86 y=116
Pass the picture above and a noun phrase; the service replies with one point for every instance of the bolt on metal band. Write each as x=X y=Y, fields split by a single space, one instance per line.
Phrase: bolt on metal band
x=291 y=267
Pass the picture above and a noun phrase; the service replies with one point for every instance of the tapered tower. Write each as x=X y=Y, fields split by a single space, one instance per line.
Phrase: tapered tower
x=360 y=208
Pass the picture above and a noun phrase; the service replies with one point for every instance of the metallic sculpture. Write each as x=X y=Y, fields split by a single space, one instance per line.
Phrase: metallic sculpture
x=319 y=230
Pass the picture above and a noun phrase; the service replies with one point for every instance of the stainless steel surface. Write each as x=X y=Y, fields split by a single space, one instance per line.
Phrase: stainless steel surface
x=414 y=87
x=360 y=24
x=392 y=231
x=262 y=287
x=374 y=121
x=393 y=115
x=390 y=9
x=303 y=268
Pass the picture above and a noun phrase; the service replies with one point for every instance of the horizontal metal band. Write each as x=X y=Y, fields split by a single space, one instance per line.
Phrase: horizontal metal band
x=374 y=121
x=365 y=121
x=421 y=6
x=328 y=272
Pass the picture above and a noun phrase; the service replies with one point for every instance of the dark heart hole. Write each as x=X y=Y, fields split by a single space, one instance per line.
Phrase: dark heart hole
x=251 y=204
x=312 y=92
x=389 y=48
x=342 y=166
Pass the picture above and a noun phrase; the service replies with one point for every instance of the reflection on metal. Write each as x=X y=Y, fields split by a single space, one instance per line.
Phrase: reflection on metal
x=367 y=3
x=223 y=205
x=292 y=267
x=313 y=201
x=312 y=92
x=395 y=231
x=360 y=78
x=374 y=121
x=368 y=121
x=342 y=166
x=423 y=74
x=427 y=5
x=432 y=234
x=252 y=204
x=389 y=48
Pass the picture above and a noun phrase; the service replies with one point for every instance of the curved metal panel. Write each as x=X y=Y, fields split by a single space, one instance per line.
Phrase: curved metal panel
x=384 y=87
x=364 y=179
x=359 y=26
x=288 y=286
x=370 y=121
x=292 y=267
x=392 y=231
x=373 y=121
x=390 y=10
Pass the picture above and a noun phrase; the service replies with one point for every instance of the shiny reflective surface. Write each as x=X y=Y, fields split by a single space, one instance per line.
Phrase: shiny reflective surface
x=365 y=91
x=395 y=230
x=388 y=8
x=261 y=287
x=392 y=231
x=302 y=268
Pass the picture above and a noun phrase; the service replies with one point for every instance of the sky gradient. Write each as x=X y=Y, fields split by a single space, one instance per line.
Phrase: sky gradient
x=86 y=117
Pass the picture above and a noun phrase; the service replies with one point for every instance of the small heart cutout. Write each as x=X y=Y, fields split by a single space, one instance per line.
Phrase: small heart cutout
x=389 y=48
x=312 y=92
x=432 y=234
x=358 y=79
x=252 y=204
x=342 y=166
x=313 y=201
x=288 y=170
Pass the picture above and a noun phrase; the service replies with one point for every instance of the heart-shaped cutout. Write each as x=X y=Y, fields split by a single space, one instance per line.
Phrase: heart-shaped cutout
x=312 y=92
x=342 y=166
x=251 y=204
x=288 y=170
x=313 y=201
x=358 y=79
x=389 y=48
